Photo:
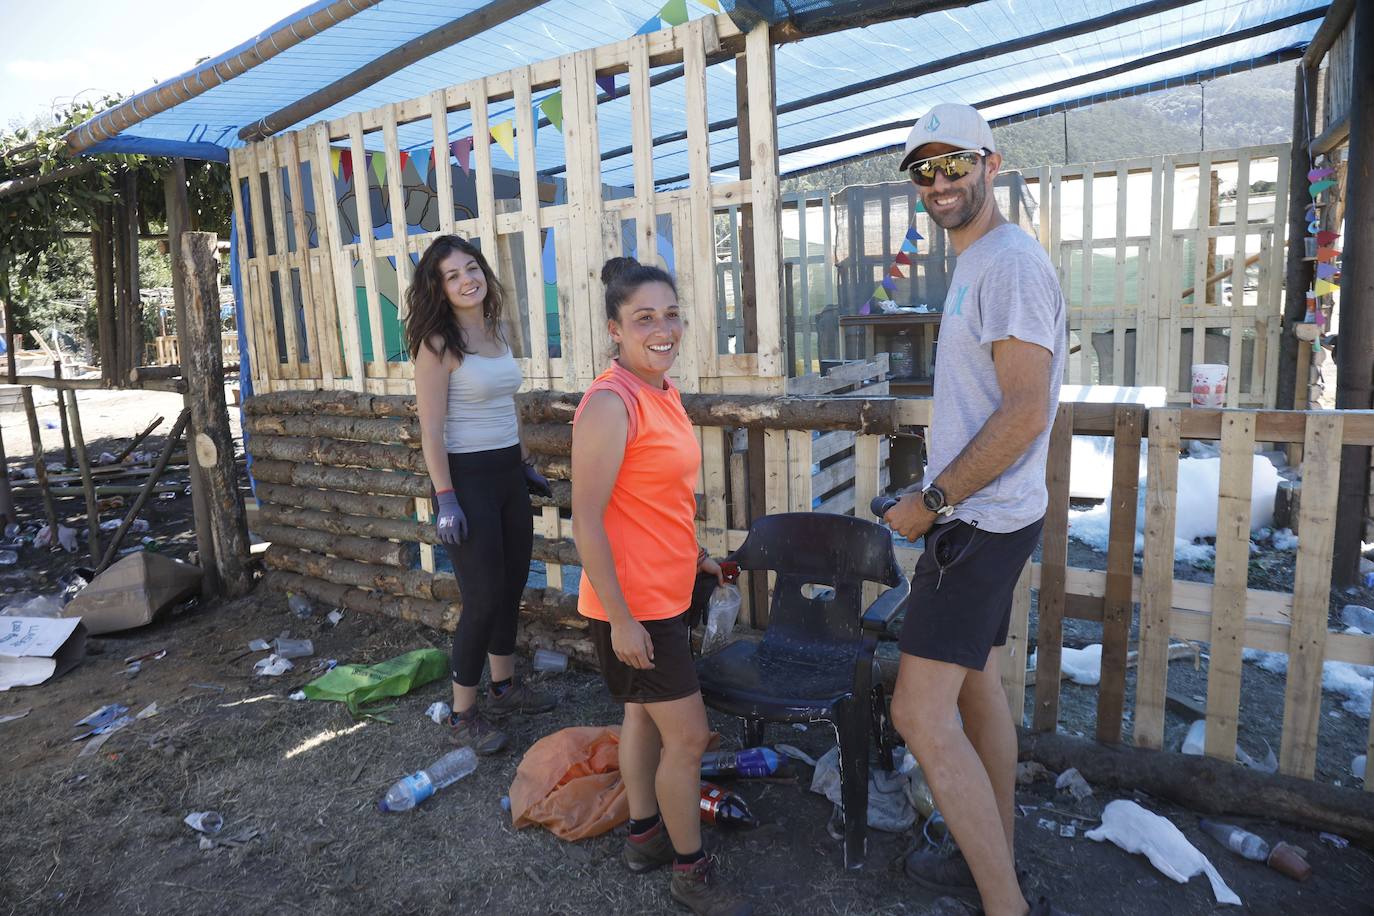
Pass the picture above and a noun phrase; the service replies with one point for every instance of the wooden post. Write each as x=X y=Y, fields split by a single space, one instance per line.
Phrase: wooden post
x=178 y=217
x=40 y=462
x=1299 y=274
x=102 y=256
x=213 y=444
x=87 y=484
x=6 y=497
x=1354 y=381
x=67 y=460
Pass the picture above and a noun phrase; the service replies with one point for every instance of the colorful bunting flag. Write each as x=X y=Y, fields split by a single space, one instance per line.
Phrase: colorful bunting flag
x=652 y=25
x=881 y=295
x=1326 y=237
x=1325 y=287
x=1327 y=254
x=422 y=164
x=911 y=234
x=908 y=246
x=334 y=161
x=889 y=284
x=1319 y=174
x=896 y=271
x=552 y=107
x=504 y=135
x=346 y=164
x=1327 y=271
x=607 y=84
x=867 y=307
x=674 y=12
x=1317 y=187
x=405 y=157
x=1314 y=227
x=711 y=5
x=378 y=163
x=1311 y=212
x=462 y=151
x=902 y=258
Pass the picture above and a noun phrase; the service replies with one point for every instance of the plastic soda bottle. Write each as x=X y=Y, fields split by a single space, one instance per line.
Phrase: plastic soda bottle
x=724 y=808
x=1241 y=842
x=411 y=790
x=751 y=762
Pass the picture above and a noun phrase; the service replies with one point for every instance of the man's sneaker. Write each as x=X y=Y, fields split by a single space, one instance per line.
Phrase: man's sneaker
x=940 y=873
x=473 y=730
x=697 y=887
x=651 y=849
x=519 y=698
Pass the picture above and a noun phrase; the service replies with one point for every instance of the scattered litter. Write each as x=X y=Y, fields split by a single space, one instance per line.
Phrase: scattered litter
x=334 y=617
x=14 y=716
x=1359 y=617
x=1240 y=841
x=1339 y=842
x=359 y=684
x=102 y=716
x=1290 y=860
x=133 y=670
x=154 y=655
x=36 y=649
x=1030 y=771
x=298 y=695
x=724 y=808
x=549 y=660
x=105 y=458
x=1357 y=766
x=293 y=648
x=722 y=611
x=110 y=524
x=799 y=726
x=795 y=754
x=505 y=803
x=409 y=791
x=1135 y=829
x=217 y=688
x=892 y=797
x=134 y=592
x=1067 y=830
x=439 y=712
x=8 y=558
x=1284 y=539
x=1082 y=666
x=38 y=606
x=208 y=822
x=272 y=666
x=1045 y=823
x=104 y=733
x=1073 y=782
x=1195 y=742
x=139 y=526
x=242 y=838
x=322 y=665
x=300 y=606
x=259 y=645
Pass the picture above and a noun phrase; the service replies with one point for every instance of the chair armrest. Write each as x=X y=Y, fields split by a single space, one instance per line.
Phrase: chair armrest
x=880 y=614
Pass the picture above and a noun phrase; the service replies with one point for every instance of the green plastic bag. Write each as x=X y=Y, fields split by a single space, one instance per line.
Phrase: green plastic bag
x=395 y=677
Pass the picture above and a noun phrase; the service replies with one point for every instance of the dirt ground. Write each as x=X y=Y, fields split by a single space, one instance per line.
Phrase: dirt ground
x=104 y=833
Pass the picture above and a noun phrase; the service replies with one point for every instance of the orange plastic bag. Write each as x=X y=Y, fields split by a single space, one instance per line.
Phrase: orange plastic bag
x=570 y=783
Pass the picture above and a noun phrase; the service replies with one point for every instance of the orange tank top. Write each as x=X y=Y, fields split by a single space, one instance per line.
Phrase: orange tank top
x=651 y=517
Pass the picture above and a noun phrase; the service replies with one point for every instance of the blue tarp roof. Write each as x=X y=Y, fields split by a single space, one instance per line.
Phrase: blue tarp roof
x=1241 y=32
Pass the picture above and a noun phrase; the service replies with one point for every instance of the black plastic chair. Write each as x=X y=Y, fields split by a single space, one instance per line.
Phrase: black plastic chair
x=815 y=661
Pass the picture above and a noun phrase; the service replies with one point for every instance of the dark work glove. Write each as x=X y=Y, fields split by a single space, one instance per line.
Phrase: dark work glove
x=537 y=484
x=449 y=522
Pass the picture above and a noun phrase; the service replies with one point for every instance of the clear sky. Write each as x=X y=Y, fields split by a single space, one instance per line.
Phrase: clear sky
x=54 y=50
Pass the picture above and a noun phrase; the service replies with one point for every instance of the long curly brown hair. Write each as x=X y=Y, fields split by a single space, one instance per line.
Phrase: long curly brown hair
x=431 y=314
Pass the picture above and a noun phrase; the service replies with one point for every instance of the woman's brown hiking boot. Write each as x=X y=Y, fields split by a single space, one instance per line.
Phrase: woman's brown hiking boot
x=697 y=887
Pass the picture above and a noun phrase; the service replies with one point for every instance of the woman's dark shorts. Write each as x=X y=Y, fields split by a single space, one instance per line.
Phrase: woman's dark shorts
x=674 y=674
x=961 y=591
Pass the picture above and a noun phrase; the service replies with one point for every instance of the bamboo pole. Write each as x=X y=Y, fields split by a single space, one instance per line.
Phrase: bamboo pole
x=68 y=461
x=87 y=482
x=40 y=462
x=168 y=447
x=128 y=449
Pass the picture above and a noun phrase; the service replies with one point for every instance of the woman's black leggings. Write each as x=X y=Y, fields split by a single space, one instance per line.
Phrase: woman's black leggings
x=493 y=562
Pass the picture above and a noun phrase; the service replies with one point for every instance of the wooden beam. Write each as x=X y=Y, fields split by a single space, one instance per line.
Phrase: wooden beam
x=87 y=482
x=1337 y=15
x=1334 y=135
x=213 y=445
x=20 y=185
x=393 y=61
x=1299 y=273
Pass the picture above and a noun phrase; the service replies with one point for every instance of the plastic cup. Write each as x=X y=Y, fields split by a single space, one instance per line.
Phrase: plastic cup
x=294 y=648
x=1209 y=385
x=548 y=660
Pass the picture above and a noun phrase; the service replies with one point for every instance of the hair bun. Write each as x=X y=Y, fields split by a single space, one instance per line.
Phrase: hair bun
x=615 y=267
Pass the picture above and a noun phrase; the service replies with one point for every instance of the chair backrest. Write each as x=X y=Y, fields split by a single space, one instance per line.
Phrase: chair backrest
x=804 y=549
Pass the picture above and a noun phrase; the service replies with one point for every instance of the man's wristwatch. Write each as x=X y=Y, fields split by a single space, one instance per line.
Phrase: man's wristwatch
x=934 y=499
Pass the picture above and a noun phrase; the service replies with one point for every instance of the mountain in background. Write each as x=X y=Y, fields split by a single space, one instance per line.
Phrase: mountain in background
x=1252 y=108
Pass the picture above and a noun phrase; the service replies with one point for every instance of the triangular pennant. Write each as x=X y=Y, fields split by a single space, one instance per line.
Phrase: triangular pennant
x=1328 y=254
x=378 y=163
x=1314 y=227
x=912 y=235
x=901 y=258
x=405 y=158
x=674 y=12
x=896 y=271
x=889 y=284
x=1325 y=287
x=422 y=164
x=1311 y=212
x=607 y=84
x=711 y=5
x=504 y=135
x=920 y=205
x=462 y=151
x=346 y=164
x=552 y=107
x=1327 y=271
x=1327 y=236
x=334 y=162
x=1317 y=187
x=867 y=307
x=1319 y=319
x=908 y=246
x=880 y=294
x=652 y=25
x=1319 y=174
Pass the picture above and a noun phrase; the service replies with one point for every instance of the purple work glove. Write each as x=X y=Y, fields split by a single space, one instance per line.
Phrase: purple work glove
x=536 y=482
x=449 y=522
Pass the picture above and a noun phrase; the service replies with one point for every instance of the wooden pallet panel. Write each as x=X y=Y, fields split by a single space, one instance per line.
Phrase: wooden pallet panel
x=1054 y=558
x=1117 y=604
x=1157 y=579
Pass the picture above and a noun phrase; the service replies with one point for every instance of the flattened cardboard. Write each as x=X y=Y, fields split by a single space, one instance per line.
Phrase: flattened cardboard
x=33 y=650
x=134 y=592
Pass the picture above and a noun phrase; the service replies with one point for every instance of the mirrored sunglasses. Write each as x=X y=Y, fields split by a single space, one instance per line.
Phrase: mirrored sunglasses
x=954 y=165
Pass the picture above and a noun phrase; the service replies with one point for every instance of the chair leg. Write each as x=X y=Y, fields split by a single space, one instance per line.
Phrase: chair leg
x=881 y=728
x=752 y=732
x=853 y=728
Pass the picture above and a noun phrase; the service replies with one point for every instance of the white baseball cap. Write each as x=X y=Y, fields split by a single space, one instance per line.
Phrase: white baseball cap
x=952 y=124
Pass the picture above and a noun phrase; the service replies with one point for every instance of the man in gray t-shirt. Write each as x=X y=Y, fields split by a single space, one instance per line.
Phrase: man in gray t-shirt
x=1002 y=346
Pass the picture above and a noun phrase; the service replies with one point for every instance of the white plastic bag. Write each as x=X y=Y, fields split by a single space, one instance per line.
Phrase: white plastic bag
x=889 y=800
x=1136 y=830
x=721 y=613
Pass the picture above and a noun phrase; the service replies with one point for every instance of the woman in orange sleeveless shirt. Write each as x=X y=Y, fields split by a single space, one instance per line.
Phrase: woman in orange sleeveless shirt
x=635 y=460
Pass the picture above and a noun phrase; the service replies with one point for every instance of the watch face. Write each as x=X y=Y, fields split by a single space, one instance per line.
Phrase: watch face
x=934 y=499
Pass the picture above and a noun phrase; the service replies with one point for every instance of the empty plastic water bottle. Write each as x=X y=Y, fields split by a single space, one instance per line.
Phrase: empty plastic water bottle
x=1241 y=842
x=411 y=790
x=750 y=762
x=300 y=606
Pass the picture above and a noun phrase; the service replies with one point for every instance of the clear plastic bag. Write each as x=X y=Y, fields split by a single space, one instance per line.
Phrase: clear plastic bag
x=721 y=613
